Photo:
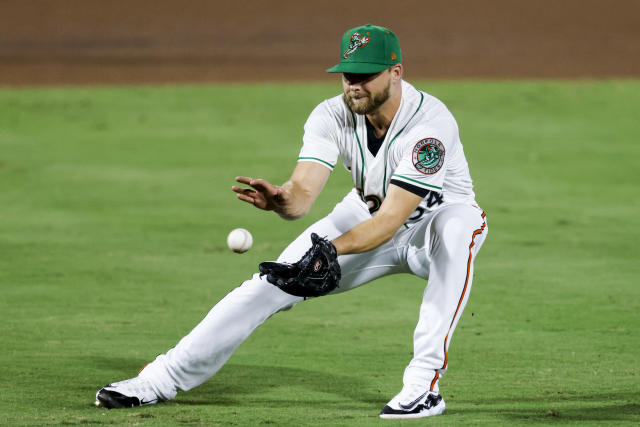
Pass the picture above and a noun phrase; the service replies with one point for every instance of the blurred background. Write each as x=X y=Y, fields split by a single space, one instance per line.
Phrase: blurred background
x=48 y=42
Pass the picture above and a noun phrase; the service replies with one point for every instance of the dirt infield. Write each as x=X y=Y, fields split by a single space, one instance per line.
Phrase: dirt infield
x=145 y=41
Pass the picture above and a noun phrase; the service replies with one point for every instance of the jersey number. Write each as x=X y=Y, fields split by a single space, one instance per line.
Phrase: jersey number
x=434 y=199
x=373 y=202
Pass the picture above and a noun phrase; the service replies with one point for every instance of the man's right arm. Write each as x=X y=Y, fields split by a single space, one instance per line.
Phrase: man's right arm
x=291 y=200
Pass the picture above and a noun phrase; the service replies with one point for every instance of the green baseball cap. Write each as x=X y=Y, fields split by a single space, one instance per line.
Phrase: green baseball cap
x=367 y=49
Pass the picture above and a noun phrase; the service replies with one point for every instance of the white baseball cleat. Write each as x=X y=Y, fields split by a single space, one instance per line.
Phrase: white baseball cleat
x=413 y=403
x=126 y=394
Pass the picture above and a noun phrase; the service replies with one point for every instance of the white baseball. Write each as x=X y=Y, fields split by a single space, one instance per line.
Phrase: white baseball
x=239 y=240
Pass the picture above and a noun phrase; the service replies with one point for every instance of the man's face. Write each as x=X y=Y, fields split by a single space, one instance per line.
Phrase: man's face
x=365 y=93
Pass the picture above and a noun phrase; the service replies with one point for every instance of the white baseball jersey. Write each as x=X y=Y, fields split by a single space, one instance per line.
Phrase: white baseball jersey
x=421 y=152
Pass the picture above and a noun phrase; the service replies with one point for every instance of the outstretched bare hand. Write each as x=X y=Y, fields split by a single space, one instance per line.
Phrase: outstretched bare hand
x=263 y=195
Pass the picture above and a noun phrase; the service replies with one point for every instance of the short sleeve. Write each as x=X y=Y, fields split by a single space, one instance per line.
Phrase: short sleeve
x=425 y=156
x=320 y=142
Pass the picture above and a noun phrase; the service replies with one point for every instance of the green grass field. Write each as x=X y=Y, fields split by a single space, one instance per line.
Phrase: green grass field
x=114 y=208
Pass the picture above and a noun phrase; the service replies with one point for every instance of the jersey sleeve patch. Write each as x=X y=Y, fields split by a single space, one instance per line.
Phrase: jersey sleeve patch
x=428 y=156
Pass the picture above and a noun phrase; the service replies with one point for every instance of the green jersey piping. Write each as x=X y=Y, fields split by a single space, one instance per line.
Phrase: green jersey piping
x=317 y=159
x=386 y=154
x=355 y=131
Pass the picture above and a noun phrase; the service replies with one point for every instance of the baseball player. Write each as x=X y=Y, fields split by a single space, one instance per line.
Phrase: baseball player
x=412 y=209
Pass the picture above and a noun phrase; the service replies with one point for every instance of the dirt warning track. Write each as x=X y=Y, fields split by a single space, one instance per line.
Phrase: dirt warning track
x=146 y=41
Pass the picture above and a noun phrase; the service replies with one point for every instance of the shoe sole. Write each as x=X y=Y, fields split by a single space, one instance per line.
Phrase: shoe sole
x=436 y=410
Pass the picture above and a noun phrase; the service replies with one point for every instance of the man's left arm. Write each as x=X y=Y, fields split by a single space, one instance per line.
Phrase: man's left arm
x=397 y=206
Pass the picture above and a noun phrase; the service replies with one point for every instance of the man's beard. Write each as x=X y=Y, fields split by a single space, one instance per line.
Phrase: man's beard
x=373 y=103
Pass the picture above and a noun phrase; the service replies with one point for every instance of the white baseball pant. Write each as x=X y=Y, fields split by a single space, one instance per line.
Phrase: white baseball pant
x=441 y=247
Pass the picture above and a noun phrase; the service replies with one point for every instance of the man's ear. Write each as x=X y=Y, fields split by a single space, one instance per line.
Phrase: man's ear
x=396 y=70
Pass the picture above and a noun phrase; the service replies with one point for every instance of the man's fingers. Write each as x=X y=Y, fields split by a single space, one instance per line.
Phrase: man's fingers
x=245 y=198
x=259 y=185
x=263 y=186
x=244 y=180
x=242 y=190
x=260 y=195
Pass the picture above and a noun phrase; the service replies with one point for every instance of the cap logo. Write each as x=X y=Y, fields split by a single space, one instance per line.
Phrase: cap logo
x=357 y=41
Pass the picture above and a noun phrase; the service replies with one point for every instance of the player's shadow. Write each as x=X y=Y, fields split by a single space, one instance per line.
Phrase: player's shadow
x=604 y=414
x=238 y=384
x=257 y=385
x=260 y=385
x=550 y=408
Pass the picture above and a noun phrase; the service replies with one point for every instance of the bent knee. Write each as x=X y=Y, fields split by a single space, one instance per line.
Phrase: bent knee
x=450 y=233
x=449 y=227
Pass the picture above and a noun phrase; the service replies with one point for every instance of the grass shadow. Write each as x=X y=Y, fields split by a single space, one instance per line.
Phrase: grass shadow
x=239 y=384
x=557 y=414
x=550 y=408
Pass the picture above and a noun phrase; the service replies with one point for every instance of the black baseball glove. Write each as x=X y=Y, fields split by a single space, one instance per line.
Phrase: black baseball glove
x=317 y=273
